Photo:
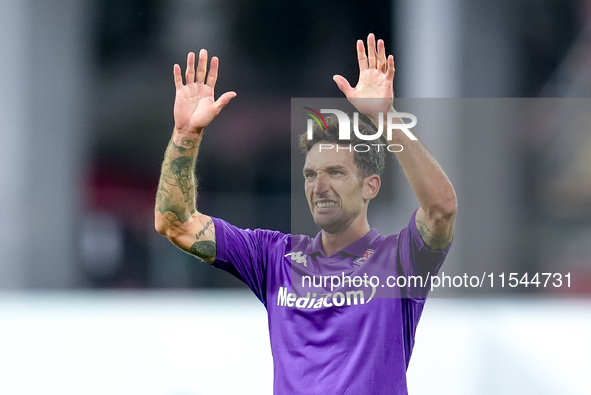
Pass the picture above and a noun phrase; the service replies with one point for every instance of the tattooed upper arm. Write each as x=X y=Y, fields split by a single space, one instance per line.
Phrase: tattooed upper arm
x=204 y=246
x=436 y=229
x=195 y=236
x=432 y=240
x=204 y=249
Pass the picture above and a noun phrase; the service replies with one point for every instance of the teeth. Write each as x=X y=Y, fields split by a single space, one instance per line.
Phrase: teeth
x=325 y=204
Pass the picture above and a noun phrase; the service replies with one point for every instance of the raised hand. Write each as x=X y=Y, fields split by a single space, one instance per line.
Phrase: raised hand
x=194 y=105
x=374 y=91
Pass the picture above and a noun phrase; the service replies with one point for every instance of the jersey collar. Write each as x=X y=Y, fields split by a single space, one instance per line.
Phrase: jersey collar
x=357 y=248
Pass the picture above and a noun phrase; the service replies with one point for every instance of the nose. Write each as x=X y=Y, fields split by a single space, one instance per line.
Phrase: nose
x=321 y=184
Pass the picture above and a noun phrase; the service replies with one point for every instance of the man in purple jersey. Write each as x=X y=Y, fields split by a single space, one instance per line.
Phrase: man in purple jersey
x=339 y=321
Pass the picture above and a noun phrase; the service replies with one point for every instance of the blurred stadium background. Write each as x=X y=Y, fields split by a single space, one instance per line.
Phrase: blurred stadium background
x=94 y=301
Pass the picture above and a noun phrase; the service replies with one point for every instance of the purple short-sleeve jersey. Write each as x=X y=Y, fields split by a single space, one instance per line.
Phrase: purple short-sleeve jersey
x=343 y=324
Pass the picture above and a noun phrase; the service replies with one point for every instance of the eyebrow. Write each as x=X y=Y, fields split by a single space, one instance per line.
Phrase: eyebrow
x=329 y=168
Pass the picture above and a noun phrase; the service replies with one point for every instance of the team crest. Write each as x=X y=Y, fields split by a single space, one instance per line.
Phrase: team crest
x=361 y=260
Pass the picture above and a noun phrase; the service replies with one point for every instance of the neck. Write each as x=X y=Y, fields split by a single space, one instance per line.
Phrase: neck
x=335 y=242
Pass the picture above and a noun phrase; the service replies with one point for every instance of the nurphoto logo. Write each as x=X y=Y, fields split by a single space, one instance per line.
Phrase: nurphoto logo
x=345 y=128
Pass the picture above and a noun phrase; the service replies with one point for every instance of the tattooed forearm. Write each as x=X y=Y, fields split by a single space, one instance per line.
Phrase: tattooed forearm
x=203 y=249
x=177 y=187
x=180 y=212
x=202 y=231
x=165 y=204
x=161 y=193
x=182 y=170
x=186 y=145
x=434 y=242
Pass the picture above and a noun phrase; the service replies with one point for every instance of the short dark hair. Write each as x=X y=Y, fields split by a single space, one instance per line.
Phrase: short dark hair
x=368 y=163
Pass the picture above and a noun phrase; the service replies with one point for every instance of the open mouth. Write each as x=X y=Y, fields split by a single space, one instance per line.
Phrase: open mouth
x=325 y=203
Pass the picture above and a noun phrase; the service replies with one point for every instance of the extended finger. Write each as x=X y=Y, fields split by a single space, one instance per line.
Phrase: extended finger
x=190 y=72
x=212 y=76
x=224 y=99
x=361 y=58
x=371 y=50
x=382 y=61
x=178 y=80
x=343 y=84
x=201 y=66
x=390 y=71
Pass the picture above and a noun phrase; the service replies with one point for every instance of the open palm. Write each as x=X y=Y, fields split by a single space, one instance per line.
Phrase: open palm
x=374 y=91
x=194 y=105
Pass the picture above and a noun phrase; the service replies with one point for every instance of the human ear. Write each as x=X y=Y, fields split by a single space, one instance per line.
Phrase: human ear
x=371 y=186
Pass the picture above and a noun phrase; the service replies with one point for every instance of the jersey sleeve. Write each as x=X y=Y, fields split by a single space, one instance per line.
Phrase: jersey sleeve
x=247 y=254
x=416 y=259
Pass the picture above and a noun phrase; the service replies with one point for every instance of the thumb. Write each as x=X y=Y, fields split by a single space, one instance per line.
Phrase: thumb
x=343 y=84
x=224 y=99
